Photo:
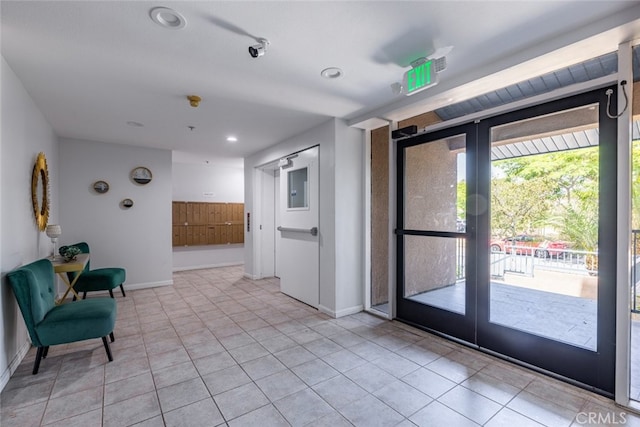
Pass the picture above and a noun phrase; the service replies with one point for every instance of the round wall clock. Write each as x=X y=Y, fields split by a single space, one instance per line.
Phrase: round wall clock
x=101 y=187
x=141 y=175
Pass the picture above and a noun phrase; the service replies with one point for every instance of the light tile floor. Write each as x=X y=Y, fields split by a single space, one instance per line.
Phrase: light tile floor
x=217 y=349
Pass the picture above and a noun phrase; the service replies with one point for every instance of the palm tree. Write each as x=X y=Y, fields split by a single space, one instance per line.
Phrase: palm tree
x=579 y=224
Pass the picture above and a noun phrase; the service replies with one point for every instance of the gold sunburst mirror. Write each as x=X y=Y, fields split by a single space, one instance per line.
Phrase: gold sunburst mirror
x=40 y=191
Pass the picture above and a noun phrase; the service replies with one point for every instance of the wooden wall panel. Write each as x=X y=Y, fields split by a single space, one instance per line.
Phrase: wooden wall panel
x=237 y=212
x=213 y=235
x=197 y=213
x=179 y=213
x=236 y=234
x=196 y=235
x=202 y=223
x=217 y=213
x=179 y=235
x=224 y=234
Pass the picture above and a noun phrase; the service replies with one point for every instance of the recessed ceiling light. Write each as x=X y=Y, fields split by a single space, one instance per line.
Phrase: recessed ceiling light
x=167 y=18
x=232 y=139
x=331 y=73
x=134 y=124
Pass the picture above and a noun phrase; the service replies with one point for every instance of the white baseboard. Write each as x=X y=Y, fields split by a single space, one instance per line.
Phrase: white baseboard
x=340 y=313
x=127 y=287
x=146 y=285
x=250 y=276
x=6 y=375
x=203 y=267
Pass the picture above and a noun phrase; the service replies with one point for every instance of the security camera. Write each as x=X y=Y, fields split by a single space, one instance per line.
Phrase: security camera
x=258 y=50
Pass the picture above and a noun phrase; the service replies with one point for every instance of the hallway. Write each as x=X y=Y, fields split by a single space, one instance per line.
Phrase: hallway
x=219 y=349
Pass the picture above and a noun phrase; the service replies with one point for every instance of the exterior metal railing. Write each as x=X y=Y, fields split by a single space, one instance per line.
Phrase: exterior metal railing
x=568 y=261
x=498 y=264
x=460 y=259
x=523 y=260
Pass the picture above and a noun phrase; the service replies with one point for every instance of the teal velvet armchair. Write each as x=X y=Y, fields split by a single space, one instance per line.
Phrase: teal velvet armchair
x=49 y=324
x=99 y=279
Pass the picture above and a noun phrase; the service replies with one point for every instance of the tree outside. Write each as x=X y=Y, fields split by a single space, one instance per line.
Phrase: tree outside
x=552 y=194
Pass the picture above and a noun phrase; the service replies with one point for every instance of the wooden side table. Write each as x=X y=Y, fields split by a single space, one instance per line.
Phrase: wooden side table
x=62 y=267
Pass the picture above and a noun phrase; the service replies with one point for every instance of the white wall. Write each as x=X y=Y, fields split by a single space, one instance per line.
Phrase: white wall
x=24 y=133
x=207 y=183
x=341 y=282
x=349 y=218
x=209 y=256
x=137 y=239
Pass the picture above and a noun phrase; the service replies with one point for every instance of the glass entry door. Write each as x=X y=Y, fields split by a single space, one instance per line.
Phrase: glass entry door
x=506 y=236
x=436 y=231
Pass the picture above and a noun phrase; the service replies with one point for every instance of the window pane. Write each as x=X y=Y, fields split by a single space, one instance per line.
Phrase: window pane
x=544 y=226
x=435 y=185
x=434 y=271
x=297 y=189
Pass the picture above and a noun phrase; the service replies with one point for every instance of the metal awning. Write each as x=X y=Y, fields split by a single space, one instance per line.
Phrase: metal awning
x=563 y=142
x=568 y=141
x=578 y=73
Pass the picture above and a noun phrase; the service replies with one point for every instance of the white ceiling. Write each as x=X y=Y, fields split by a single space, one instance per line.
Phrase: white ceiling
x=92 y=66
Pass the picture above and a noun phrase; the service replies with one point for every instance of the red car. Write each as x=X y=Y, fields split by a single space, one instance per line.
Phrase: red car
x=524 y=244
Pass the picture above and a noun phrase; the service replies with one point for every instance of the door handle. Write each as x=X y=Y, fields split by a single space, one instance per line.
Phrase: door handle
x=313 y=230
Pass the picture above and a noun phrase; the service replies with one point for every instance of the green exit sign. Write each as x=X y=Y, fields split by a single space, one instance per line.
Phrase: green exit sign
x=419 y=78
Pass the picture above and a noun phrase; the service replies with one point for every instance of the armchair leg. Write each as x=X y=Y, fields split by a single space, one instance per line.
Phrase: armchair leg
x=113 y=338
x=106 y=347
x=36 y=365
x=122 y=289
x=45 y=352
x=110 y=293
x=84 y=295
